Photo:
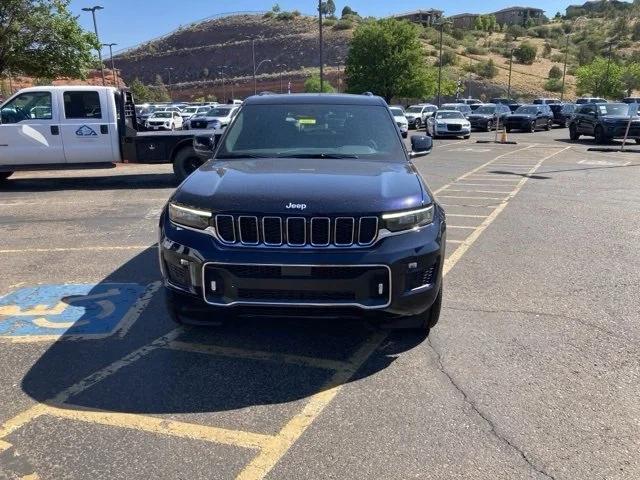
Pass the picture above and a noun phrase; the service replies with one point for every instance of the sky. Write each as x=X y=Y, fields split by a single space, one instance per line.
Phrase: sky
x=130 y=22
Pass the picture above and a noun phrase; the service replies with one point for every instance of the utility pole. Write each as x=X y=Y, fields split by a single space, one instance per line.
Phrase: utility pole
x=253 y=52
x=95 y=28
x=168 y=69
x=224 y=90
x=113 y=68
x=440 y=64
x=320 y=35
x=564 y=68
x=510 y=68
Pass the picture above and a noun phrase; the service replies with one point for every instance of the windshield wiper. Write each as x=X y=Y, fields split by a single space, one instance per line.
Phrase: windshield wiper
x=317 y=155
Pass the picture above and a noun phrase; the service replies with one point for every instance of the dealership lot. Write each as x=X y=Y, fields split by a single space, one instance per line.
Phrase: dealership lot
x=532 y=371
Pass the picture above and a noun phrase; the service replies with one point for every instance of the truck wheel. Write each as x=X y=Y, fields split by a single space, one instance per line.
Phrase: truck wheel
x=489 y=126
x=600 y=136
x=5 y=175
x=185 y=163
x=573 y=133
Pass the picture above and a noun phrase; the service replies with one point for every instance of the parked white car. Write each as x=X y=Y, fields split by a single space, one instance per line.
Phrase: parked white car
x=448 y=123
x=188 y=112
x=401 y=120
x=417 y=115
x=164 y=121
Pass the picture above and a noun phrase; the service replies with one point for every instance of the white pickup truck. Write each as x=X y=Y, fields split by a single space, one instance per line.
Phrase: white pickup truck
x=70 y=127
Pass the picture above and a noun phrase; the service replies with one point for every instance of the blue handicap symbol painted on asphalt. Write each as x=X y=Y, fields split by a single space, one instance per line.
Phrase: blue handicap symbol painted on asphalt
x=81 y=309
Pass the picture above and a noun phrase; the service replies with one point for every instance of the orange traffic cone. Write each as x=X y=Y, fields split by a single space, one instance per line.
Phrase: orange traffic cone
x=503 y=136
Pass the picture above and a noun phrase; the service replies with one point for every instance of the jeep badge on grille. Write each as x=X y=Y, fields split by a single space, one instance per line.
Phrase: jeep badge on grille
x=296 y=206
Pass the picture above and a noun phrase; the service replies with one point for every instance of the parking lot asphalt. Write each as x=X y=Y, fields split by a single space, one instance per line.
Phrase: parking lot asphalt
x=532 y=372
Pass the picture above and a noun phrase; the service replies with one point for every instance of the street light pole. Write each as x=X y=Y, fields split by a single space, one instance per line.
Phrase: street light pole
x=113 y=68
x=510 y=69
x=281 y=66
x=168 y=69
x=441 y=24
x=320 y=39
x=95 y=28
x=224 y=90
x=255 y=70
x=253 y=53
x=564 y=68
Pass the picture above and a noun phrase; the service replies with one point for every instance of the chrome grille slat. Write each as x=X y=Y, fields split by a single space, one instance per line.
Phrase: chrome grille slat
x=296 y=231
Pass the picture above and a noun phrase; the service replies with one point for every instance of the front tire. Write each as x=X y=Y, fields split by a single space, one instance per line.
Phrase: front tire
x=425 y=321
x=185 y=163
x=600 y=136
x=532 y=127
x=547 y=127
x=5 y=175
x=467 y=137
x=418 y=124
x=183 y=311
x=405 y=134
x=489 y=126
x=574 y=136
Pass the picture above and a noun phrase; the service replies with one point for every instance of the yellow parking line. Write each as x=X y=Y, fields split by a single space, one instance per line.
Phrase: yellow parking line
x=461 y=250
x=453 y=241
x=161 y=426
x=466 y=205
x=326 y=364
x=19 y=421
x=101 y=248
x=474 y=191
x=463 y=215
x=472 y=198
x=480 y=185
x=461 y=226
x=293 y=430
x=477 y=169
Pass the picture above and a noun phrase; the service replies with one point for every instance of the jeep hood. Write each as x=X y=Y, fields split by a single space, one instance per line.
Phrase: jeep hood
x=325 y=186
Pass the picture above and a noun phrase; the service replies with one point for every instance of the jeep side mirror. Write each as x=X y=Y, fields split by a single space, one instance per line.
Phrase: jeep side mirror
x=421 y=145
x=205 y=144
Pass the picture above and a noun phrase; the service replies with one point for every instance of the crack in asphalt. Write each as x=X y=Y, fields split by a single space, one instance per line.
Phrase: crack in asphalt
x=542 y=314
x=489 y=422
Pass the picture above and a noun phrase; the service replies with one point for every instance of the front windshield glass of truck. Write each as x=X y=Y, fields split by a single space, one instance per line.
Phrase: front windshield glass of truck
x=313 y=131
x=162 y=115
x=218 y=112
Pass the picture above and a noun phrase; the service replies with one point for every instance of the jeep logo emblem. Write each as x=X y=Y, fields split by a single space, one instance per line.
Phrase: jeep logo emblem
x=296 y=206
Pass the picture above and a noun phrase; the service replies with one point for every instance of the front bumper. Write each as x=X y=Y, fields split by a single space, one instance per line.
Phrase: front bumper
x=445 y=132
x=480 y=123
x=618 y=130
x=518 y=124
x=152 y=126
x=397 y=276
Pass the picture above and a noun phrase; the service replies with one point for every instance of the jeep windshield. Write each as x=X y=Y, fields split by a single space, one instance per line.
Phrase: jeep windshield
x=614 y=109
x=414 y=110
x=313 y=131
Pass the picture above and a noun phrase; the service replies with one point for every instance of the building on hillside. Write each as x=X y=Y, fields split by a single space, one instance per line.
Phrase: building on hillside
x=426 y=18
x=465 y=21
x=519 y=15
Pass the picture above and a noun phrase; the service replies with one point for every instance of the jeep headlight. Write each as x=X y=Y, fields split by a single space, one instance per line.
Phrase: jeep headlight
x=398 y=221
x=189 y=217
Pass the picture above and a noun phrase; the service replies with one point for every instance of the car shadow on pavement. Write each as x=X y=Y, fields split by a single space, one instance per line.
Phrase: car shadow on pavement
x=107 y=182
x=247 y=363
x=518 y=174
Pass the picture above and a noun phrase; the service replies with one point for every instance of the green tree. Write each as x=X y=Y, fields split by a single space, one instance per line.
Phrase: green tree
x=486 y=69
x=331 y=8
x=41 y=38
x=159 y=90
x=312 y=85
x=600 y=77
x=525 y=53
x=348 y=11
x=631 y=77
x=387 y=58
x=140 y=91
x=490 y=23
x=478 y=23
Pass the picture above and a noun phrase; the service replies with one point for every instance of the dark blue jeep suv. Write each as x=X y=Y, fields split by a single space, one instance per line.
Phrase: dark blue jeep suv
x=309 y=207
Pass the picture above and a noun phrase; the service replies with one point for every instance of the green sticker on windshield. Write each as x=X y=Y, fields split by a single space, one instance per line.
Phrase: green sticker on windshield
x=307 y=121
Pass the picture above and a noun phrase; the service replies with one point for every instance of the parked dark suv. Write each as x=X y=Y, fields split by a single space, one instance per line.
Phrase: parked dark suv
x=605 y=121
x=562 y=113
x=529 y=118
x=488 y=116
x=310 y=207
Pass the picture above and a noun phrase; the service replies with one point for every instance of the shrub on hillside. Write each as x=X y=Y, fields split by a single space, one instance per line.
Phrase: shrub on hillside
x=329 y=22
x=635 y=31
x=555 y=72
x=546 y=50
x=553 y=85
x=557 y=57
x=449 y=57
x=285 y=16
x=343 y=25
x=486 y=69
x=475 y=50
x=525 y=53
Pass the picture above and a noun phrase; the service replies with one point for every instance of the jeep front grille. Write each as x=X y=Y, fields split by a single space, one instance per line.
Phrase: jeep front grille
x=293 y=231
